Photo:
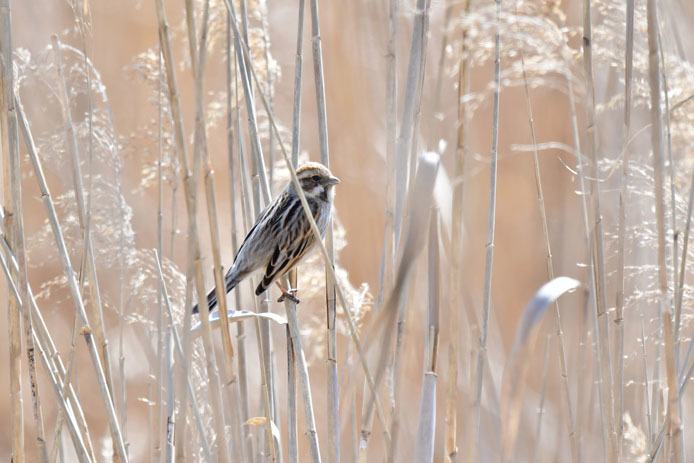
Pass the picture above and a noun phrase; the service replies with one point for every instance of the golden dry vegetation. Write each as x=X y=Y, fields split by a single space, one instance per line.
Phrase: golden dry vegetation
x=437 y=255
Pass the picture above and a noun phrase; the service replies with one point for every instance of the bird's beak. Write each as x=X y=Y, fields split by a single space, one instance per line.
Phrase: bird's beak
x=333 y=181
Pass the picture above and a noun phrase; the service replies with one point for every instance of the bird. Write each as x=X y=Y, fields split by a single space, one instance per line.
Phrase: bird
x=282 y=235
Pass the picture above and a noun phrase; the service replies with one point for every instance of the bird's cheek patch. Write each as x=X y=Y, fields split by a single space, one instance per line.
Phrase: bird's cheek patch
x=316 y=191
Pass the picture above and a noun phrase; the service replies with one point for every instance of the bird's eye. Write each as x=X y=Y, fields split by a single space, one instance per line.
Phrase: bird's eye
x=315 y=178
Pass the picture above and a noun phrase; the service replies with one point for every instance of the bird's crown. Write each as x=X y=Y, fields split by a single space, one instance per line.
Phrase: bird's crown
x=312 y=168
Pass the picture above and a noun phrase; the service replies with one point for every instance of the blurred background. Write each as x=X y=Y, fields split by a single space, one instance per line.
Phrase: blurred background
x=121 y=40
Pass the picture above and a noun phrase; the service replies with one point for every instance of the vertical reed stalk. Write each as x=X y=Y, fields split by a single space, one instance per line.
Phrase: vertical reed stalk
x=201 y=151
x=414 y=142
x=292 y=442
x=314 y=228
x=489 y=253
x=675 y=444
x=414 y=66
x=680 y=285
x=304 y=384
x=658 y=159
x=619 y=312
x=331 y=363
x=458 y=219
x=18 y=244
x=73 y=148
x=645 y=379
x=424 y=447
x=45 y=347
x=388 y=256
x=541 y=406
x=194 y=256
x=440 y=69
x=181 y=149
x=103 y=385
x=67 y=383
x=240 y=382
x=598 y=243
x=6 y=131
x=50 y=356
x=263 y=352
x=673 y=205
x=170 y=397
x=591 y=296
x=181 y=357
x=211 y=367
x=298 y=72
x=403 y=310
x=270 y=89
x=159 y=395
x=566 y=395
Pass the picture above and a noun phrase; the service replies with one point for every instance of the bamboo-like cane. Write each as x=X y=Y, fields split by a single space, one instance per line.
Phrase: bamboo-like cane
x=408 y=113
x=67 y=383
x=590 y=257
x=424 y=446
x=292 y=443
x=413 y=152
x=97 y=313
x=541 y=406
x=74 y=289
x=457 y=219
x=245 y=65
x=566 y=395
x=388 y=254
x=311 y=433
x=159 y=395
x=48 y=349
x=17 y=239
x=201 y=151
x=675 y=445
x=673 y=203
x=603 y=329
x=645 y=378
x=658 y=161
x=330 y=302
x=211 y=366
x=489 y=249
x=14 y=334
x=241 y=381
x=248 y=194
x=194 y=259
x=270 y=89
x=314 y=229
x=52 y=360
x=619 y=311
x=181 y=356
x=170 y=399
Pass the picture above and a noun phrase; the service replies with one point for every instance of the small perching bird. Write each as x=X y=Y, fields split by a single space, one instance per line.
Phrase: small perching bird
x=282 y=234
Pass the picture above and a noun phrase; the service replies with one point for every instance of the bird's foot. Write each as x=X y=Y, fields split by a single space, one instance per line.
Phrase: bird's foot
x=289 y=295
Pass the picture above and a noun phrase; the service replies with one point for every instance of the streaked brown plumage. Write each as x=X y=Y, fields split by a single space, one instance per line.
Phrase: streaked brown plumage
x=282 y=235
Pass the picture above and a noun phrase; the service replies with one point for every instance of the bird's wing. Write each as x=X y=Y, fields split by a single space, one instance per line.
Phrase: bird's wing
x=284 y=258
x=236 y=273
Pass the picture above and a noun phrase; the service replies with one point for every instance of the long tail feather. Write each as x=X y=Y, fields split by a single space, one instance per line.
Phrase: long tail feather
x=230 y=284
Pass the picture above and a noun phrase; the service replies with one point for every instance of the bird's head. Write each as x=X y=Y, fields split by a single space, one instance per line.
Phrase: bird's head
x=317 y=181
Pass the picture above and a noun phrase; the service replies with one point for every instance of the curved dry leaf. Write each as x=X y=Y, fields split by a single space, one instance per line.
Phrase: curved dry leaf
x=513 y=382
x=261 y=421
x=236 y=316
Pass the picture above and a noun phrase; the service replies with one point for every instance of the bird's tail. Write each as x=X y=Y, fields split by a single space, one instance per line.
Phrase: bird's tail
x=230 y=284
